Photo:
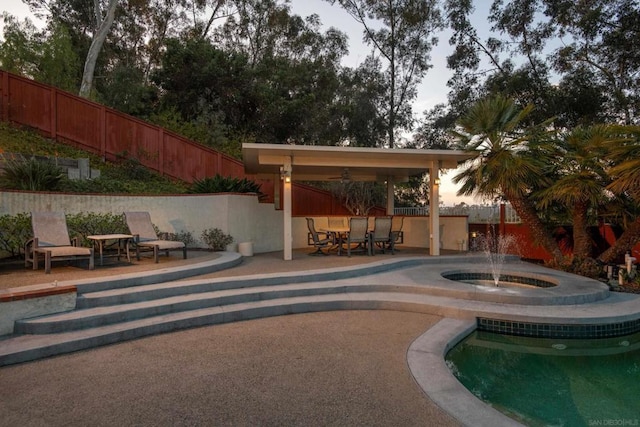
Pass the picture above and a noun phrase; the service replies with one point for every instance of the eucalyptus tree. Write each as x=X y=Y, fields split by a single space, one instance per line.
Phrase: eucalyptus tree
x=98 y=17
x=45 y=55
x=295 y=71
x=601 y=36
x=357 y=110
x=402 y=34
x=586 y=47
x=504 y=165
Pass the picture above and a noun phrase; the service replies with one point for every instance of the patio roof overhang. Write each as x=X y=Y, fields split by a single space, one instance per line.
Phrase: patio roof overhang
x=321 y=163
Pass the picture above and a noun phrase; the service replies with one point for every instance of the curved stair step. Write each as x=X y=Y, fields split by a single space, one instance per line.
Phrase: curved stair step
x=104 y=315
x=133 y=294
x=24 y=348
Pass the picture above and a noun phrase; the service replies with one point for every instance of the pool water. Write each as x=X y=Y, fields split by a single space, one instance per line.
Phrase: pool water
x=553 y=382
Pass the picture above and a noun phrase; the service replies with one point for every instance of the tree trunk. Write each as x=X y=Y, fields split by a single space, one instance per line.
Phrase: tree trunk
x=629 y=238
x=99 y=37
x=581 y=238
x=541 y=236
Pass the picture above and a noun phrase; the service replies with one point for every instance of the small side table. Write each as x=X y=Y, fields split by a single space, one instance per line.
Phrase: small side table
x=99 y=241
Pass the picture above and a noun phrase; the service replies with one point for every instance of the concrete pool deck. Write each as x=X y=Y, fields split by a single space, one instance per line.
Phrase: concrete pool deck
x=404 y=282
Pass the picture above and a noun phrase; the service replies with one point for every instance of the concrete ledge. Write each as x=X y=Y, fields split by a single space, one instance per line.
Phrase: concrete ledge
x=36 y=293
x=426 y=360
x=25 y=304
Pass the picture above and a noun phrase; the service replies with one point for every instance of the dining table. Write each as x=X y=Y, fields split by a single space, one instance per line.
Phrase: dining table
x=338 y=235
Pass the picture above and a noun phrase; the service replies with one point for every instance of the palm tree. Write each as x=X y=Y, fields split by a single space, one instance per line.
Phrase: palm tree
x=504 y=165
x=581 y=170
x=625 y=174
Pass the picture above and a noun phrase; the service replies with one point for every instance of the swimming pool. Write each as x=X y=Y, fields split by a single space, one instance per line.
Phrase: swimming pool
x=560 y=382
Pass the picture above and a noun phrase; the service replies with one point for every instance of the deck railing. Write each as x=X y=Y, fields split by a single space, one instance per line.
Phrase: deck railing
x=477 y=214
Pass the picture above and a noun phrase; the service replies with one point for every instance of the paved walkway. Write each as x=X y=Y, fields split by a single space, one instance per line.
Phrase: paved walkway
x=334 y=368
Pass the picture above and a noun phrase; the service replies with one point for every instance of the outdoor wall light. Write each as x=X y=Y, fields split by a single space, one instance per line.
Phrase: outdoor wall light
x=285 y=175
x=436 y=181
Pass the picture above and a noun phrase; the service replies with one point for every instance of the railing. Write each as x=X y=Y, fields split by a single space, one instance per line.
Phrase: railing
x=412 y=211
x=476 y=214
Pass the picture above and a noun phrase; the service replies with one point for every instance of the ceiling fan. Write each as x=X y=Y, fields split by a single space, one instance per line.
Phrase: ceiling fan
x=345 y=176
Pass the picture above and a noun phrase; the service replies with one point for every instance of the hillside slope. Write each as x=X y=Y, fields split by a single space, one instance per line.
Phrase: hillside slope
x=126 y=176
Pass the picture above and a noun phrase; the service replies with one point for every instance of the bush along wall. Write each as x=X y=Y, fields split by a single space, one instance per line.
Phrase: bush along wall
x=15 y=230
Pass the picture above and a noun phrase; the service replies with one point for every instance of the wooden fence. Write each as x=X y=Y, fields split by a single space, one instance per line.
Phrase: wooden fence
x=92 y=127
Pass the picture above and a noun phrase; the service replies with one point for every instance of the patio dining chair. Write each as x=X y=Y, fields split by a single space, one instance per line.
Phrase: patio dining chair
x=381 y=237
x=397 y=235
x=51 y=240
x=145 y=236
x=358 y=233
x=318 y=240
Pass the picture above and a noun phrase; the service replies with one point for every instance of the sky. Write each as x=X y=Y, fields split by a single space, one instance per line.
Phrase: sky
x=433 y=89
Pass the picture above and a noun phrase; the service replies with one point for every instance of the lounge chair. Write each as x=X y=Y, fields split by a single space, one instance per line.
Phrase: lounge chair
x=318 y=240
x=381 y=236
x=145 y=236
x=51 y=239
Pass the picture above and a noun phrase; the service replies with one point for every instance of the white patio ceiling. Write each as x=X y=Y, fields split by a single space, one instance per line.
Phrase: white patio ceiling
x=321 y=163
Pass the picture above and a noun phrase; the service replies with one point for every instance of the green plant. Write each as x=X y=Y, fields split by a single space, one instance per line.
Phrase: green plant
x=15 y=230
x=629 y=277
x=90 y=223
x=185 y=237
x=32 y=174
x=224 y=184
x=216 y=239
x=132 y=168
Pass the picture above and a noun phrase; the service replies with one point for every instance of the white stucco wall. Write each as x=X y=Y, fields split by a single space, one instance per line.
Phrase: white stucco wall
x=240 y=215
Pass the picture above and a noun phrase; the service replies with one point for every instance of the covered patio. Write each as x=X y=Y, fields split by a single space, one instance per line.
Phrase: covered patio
x=321 y=163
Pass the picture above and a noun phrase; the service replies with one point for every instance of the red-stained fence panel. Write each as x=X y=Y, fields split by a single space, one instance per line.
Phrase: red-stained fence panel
x=108 y=133
x=132 y=138
x=30 y=104
x=79 y=122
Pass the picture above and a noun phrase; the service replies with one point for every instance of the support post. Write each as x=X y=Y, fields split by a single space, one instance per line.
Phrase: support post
x=390 y=192
x=434 y=208
x=286 y=207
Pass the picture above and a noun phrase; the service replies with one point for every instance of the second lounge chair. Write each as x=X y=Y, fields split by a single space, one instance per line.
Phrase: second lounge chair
x=144 y=235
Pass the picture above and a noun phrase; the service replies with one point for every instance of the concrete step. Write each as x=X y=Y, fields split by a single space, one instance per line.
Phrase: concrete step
x=22 y=348
x=104 y=315
x=139 y=293
x=225 y=260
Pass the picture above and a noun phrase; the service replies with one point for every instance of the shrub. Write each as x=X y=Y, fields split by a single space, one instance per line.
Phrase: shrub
x=89 y=223
x=32 y=174
x=224 y=184
x=15 y=230
x=216 y=239
x=185 y=237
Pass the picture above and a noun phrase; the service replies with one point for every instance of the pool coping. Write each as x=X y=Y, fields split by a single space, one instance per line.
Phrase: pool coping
x=427 y=364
